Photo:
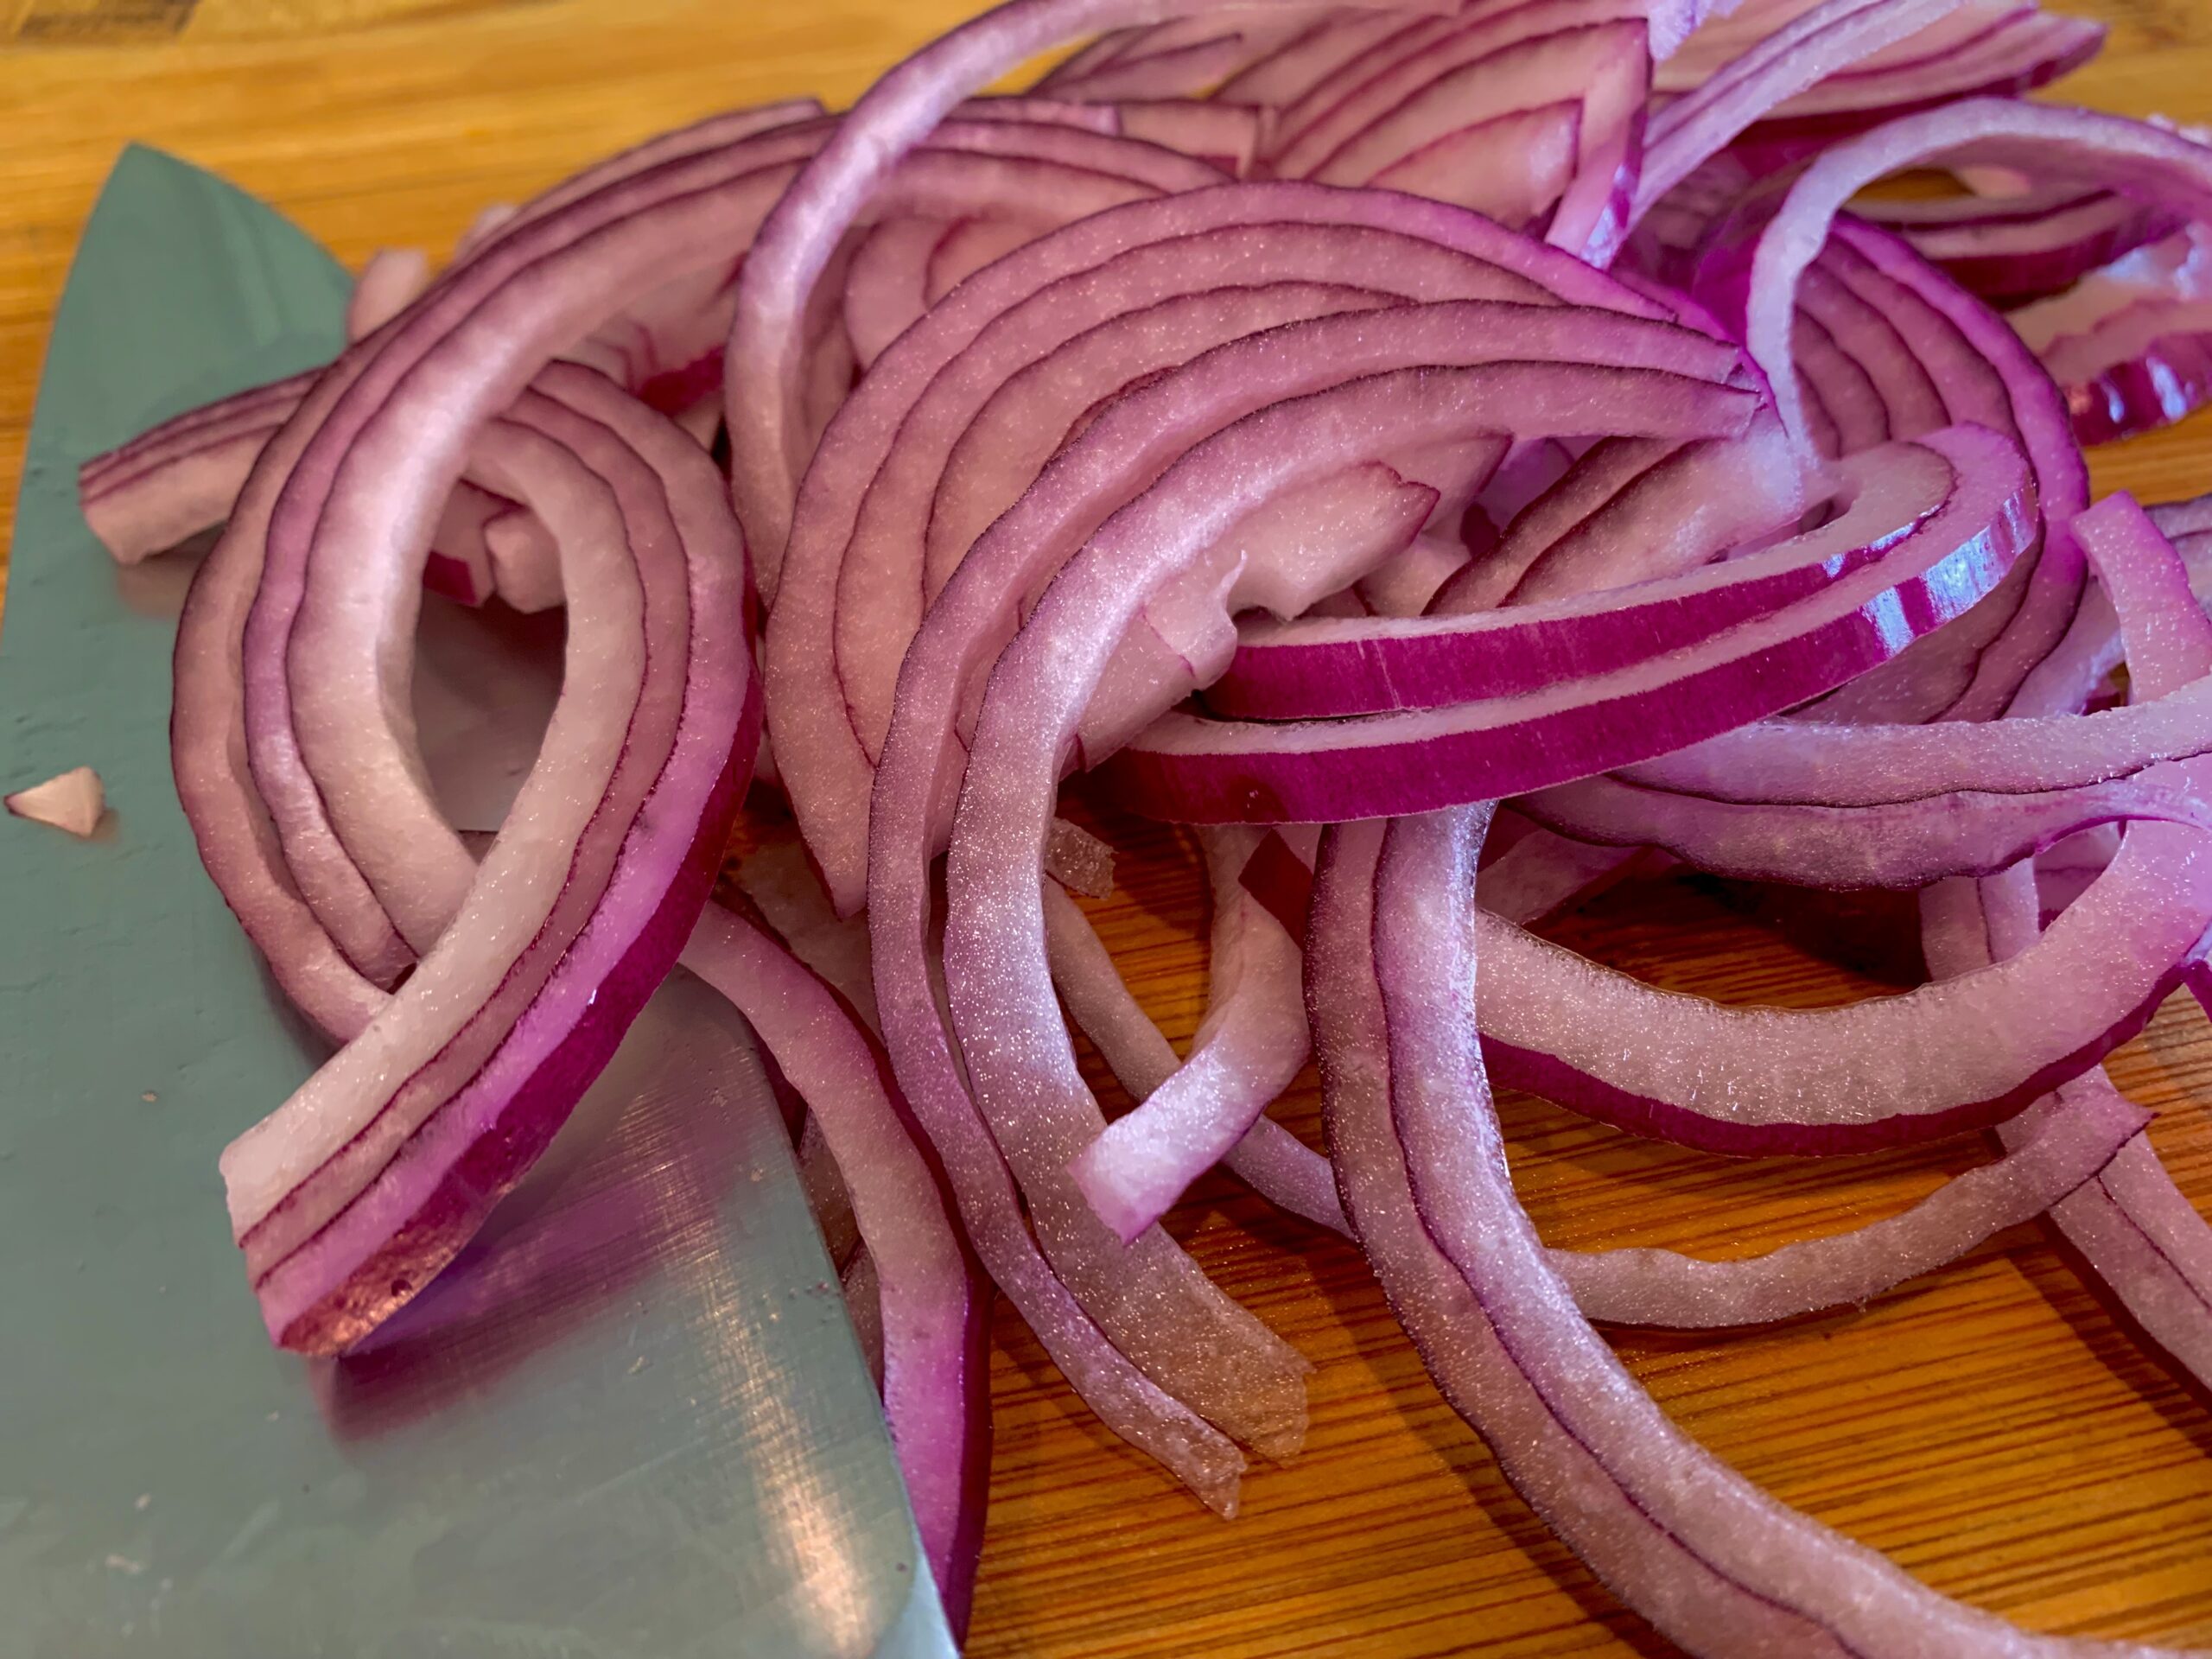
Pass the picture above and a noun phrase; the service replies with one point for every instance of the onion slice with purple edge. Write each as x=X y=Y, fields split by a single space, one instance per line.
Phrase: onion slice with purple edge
x=1113 y=406
x=801 y=233
x=373 y=861
x=2149 y=163
x=352 y=1194
x=1192 y=770
x=2143 y=916
x=1684 y=1540
x=1246 y=1053
x=2134 y=1227
x=1666 y=1287
x=888 y=440
x=1689 y=131
x=2013 y=248
x=1330 y=667
x=1906 y=843
x=934 y=1306
x=1174 y=1323
x=2129 y=344
x=1269 y=1159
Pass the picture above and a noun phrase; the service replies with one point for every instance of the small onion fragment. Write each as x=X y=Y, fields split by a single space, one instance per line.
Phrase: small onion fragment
x=73 y=802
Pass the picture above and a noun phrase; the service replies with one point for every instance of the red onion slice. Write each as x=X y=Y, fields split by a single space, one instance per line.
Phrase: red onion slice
x=1665 y=1288
x=1560 y=1474
x=1196 y=771
x=1228 y=135
x=1662 y=1288
x=1774 y=1561
x=1687 y=131
x=2127 y=344
x=2012 y=248
x=934 y=1306
x=397 y=821
x=2134 y=1228
x=1272 y=1161
x=884 y=287
x=1250 y=1048
x=1902 y=844
x=914 y=406
x=73 y=803
x=1261 y=456
x=388 y=284
x=1403 y=103
x=802 y=232
x=1333 y=667
x=349 y=1197
x=2129 y=155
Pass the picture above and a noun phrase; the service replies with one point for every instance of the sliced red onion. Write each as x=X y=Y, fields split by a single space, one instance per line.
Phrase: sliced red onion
x=2134 y=1227
x=1095 y=118
x=1304 y=669
x=1512 y=168
x=1950 y=1057
x=827 y=1196
x=2141 y=160
x=2129 y=344
x=967 y=248
x=1660 y=1286
x=998 y=153
x=1772 y=68
x=1883 y=1082
x=1860 y=766
x=1984 y=374
x=1771 y=1563
x=1078 y=454
x=1272 y=1161
x=1644 y=1286
x=1558 y=1472
x=1318 y=55
x=1445 y=77
x=143 y=508
x=884 y=288
x=1080 y=861
x=184 y=477
x=1176 y=71
x=1541 y=874
x=802 y=233
x=701 y=137
x=1261 y=31
x=774 y=875
x=2012 y=248
x=388 y=284
x=1198 y=771
x=1021 y=1051
x=2015 y=53
x=73 y=802
x=1250 y=1048
x=474 y=1063
x=2137 y=1232
x=1901 y=844
x=1228 y=135
x=934 y=1306
x=916 y=403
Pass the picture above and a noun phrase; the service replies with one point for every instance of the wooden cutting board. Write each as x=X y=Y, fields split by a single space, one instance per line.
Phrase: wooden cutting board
x=1991 y=1427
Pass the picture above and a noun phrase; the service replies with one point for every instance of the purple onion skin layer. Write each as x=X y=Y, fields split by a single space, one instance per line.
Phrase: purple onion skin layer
x=503 y=1151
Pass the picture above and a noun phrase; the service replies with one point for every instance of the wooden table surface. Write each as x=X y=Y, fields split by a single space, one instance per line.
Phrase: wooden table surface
x=1991 y=1426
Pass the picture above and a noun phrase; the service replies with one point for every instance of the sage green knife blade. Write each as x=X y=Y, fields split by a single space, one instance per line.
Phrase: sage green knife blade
x=631 y=1423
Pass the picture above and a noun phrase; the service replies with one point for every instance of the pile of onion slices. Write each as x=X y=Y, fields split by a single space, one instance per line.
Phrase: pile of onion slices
x=1442 y=452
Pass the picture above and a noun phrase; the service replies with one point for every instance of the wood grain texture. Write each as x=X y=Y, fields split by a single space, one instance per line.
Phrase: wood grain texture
x=1991 y=1427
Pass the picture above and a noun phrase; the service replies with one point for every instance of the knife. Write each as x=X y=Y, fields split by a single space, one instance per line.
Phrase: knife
x=630 y=1422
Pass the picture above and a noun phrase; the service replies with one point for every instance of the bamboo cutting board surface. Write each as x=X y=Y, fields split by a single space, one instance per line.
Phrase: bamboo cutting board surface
x=1991 y=1426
